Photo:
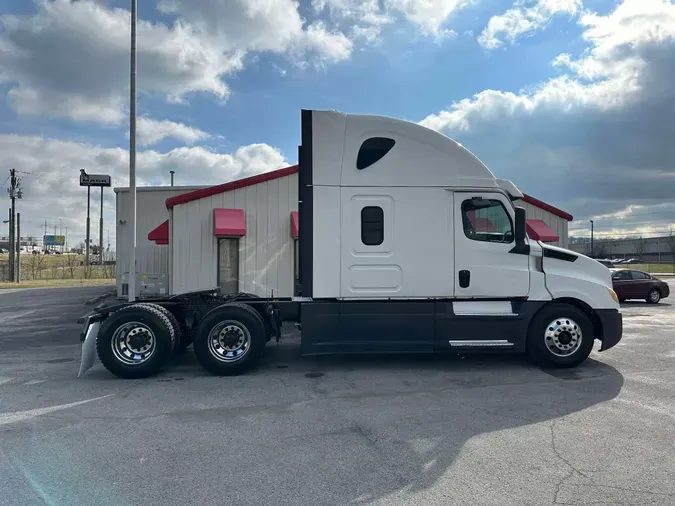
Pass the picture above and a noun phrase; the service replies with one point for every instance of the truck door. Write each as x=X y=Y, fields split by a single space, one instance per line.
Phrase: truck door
x=484 y=235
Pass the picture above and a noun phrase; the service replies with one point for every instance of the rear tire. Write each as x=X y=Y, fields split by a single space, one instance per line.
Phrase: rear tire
x=177 y=336
x=654 y=296
x=560 y=335
x=135 y=341
x=230 y=339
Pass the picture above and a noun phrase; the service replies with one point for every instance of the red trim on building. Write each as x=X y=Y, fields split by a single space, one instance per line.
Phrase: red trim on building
x=295 y=225
x=547 y=207
x=540 y=231
x=160 y=234
x=229 y=223
x=232 y=185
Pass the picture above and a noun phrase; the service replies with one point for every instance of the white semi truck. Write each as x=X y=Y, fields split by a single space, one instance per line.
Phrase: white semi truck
x=409 y=244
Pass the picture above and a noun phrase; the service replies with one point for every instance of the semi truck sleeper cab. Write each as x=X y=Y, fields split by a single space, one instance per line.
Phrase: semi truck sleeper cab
x=408 y=244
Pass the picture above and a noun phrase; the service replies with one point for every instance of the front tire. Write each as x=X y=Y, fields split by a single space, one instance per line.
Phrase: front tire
x=654 y=296
x=560 y=335
x=230 y=339
x=135 y=341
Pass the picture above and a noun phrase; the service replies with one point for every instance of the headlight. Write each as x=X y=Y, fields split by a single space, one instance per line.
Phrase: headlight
x=613 y=294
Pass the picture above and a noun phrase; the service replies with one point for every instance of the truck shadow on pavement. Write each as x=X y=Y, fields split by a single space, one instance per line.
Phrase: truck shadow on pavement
x=382 y=428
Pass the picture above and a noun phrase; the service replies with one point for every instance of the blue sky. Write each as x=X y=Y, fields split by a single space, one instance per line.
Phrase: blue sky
x=409 y=76
x=538 y=89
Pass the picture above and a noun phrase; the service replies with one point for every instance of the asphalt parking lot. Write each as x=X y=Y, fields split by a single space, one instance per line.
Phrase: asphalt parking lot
x=476 y=430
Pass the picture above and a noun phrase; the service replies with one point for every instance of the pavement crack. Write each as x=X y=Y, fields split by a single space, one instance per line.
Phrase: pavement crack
x=573 y=470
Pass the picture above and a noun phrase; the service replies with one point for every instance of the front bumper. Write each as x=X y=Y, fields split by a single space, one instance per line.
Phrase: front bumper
x=665 y=290
x=611 y=323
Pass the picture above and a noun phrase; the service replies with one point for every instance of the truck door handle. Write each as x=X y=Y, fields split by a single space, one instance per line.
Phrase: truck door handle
x=464 y=278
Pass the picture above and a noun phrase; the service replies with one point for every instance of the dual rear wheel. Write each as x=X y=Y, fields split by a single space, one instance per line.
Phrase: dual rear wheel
x=138 y=340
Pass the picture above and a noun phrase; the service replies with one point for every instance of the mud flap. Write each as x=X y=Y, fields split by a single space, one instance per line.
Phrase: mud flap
x=89 y=348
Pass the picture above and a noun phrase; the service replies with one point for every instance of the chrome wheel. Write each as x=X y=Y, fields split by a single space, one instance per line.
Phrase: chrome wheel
x=563 y=337
x=654 y=296
x=229 y=341
x=133 y=343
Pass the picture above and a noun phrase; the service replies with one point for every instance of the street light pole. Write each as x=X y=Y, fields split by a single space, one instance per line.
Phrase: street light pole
x=132 y=155
x=591 y=238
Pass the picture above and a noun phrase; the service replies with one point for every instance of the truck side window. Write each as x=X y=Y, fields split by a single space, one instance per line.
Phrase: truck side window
x=372 y=225
x=372 y=150
x=486 y=220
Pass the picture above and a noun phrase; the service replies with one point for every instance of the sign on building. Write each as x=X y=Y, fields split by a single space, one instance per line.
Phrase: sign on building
x=93 y=179
x=54 y=240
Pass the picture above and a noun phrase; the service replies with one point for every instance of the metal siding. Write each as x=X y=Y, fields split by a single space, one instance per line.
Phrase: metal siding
x=556 y=223
x=274 y=222
x=151 y=211
x=265 y=254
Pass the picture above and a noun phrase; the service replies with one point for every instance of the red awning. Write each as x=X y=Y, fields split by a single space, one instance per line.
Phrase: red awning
x=480 y=224
x=295 y=225
x=540 y=231
x=229 y=223
x=160 y=234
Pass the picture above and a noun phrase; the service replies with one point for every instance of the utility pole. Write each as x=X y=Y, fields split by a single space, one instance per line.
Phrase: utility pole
x=10 y=237
x=100 y=232
x=591 y=238
x=86 y=241
x=44 y=245
x=18 y=247
x=132 y=154
x=172 y=172
x=66 y=241
x=12 y=223
x=15 y=192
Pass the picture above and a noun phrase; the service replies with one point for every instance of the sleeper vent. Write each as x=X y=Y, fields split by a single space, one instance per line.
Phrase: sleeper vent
x=372 y=150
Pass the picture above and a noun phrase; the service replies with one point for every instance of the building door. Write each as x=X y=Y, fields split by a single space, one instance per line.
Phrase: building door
x=484 y=238
x=228 y=265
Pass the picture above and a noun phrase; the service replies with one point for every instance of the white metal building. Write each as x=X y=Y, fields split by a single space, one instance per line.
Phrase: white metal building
x=241 y=235
x=151 y=258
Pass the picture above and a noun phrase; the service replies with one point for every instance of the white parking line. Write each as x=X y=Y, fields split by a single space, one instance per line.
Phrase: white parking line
x=18 y=416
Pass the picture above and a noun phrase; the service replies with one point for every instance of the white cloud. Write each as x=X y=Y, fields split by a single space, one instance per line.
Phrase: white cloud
x=329 y=47
x=368 y=17
x=429 y=15
x=52 y=192
x=151 y=131
x=365 y=17
x=261 y=25
x=599 y=135
x=523 y=20
x=72 y=59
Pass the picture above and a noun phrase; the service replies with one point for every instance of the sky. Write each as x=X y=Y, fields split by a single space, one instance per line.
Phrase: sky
x=570 y=99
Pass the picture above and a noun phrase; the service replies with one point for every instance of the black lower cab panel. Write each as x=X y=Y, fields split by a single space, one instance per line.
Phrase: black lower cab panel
x=409 y=327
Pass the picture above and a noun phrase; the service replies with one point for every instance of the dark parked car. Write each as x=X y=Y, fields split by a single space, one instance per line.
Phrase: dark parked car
x=632 y=284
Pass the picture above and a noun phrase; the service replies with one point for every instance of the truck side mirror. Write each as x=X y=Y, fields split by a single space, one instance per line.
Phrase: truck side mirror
x=521 y=233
